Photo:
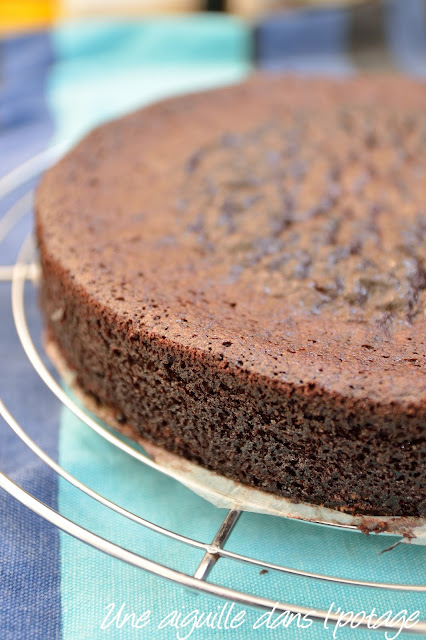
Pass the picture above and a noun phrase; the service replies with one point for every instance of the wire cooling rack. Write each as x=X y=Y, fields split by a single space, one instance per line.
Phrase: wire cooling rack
x=18 y=274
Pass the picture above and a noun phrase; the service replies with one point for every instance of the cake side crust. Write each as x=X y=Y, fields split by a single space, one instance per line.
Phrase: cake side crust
x=229 y=494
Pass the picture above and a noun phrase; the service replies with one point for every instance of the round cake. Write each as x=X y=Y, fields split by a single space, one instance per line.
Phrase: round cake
x=239 y=276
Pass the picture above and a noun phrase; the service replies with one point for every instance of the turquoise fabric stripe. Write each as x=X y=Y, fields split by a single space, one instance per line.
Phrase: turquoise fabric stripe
x=105 y=69
x=92 y=581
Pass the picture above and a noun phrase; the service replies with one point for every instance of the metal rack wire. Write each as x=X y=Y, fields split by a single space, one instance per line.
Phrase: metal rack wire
x=18 y=274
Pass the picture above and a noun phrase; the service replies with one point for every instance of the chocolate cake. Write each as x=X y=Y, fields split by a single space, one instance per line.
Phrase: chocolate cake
x=239 y=275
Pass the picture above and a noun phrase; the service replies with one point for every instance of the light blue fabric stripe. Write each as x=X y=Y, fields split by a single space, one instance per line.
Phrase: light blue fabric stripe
x=91 y=580
x=107 y=68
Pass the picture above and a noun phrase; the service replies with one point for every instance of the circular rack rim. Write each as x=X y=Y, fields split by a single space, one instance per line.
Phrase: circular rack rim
x=18 y=274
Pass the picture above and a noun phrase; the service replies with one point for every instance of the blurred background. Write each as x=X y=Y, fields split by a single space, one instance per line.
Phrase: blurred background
x=66 y=65
x=39 y=12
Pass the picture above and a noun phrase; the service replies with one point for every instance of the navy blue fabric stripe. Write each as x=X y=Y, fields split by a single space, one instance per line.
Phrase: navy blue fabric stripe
x=30 y=602
x=313 y=40
x=380 y=36
x=25 y=124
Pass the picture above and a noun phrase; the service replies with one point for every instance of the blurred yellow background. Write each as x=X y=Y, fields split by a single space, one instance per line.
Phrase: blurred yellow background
x=27 y=14
x=23 y=14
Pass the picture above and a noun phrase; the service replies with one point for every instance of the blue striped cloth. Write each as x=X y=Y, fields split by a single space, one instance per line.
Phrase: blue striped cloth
x=53 y=87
